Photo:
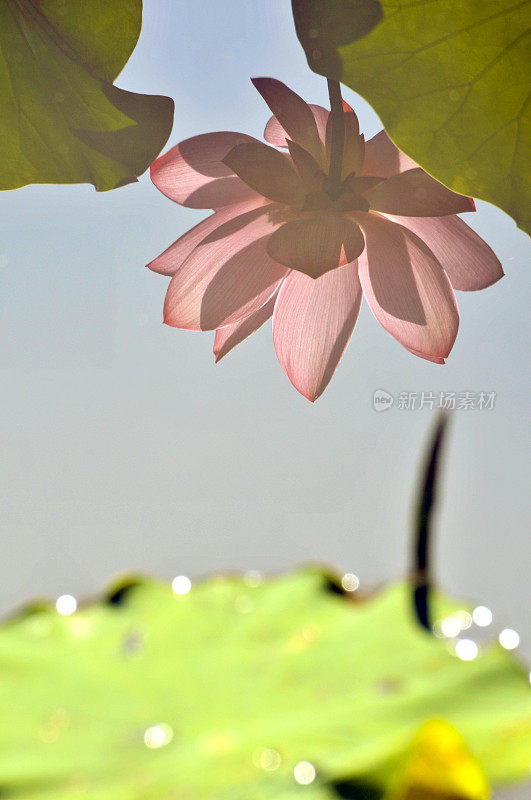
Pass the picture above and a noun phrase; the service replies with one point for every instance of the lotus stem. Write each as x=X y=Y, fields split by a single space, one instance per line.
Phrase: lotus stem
x=421 y=578
x=338 y=131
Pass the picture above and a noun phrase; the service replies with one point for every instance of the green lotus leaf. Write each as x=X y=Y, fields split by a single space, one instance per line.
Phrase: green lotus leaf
x=63 y=120
x=221 y=692
x=450 y=81
x=322 y=26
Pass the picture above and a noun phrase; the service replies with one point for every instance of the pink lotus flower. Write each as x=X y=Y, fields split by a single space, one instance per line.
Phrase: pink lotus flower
x=288 y=240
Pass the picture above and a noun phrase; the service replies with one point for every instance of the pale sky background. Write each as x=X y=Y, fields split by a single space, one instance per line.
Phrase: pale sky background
x=126 y=448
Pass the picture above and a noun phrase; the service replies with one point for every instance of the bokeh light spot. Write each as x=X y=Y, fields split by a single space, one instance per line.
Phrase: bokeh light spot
x=509 y=639
x=466 y=649
x=482 y=616
x=350 y=582
x=158 y=736
x=304 y=772
x=181 y=584
x=66 y=604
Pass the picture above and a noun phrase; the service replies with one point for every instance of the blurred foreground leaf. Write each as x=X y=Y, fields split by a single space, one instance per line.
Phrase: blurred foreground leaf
x=450 y=81
x=221 y=692
x=62 y=119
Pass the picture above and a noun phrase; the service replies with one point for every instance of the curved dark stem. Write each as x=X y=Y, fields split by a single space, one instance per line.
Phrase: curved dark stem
x=338 y=131
x=423 y=528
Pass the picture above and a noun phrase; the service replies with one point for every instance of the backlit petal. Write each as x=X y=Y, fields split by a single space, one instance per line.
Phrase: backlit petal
x=314 y=244
x=267 y=171
x=383 y=158
x=275 y=134
x=467 y=260
x=307 y=167
x=406 y=287
x=231 y=335
x=435 y=359
x=193 y=173
x=227 y=277
x=293 y=113
x=416 y=194
x=312 y=324
x=171 y=259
